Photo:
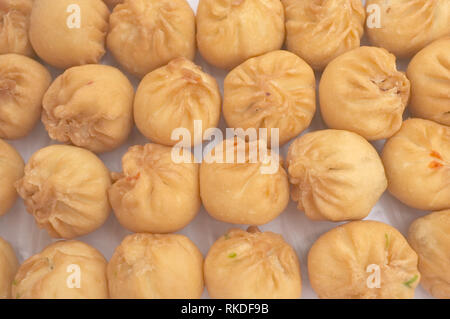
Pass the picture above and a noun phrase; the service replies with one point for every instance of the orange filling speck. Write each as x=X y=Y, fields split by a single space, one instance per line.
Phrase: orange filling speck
x=435 y=164
x=436 y=155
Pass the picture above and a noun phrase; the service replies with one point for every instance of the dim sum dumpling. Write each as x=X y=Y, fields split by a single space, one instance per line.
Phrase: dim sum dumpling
x=154 y=193
x=65 y=189
x=23 y=83
x=336 y=175
x=67 y=33
x=273 y=91
x=407 y=26
x=174 y=96
x=89 y=106
x=319 y=31
x=417 y=163
x=15 y=21
x=232 y=31
x=249 y=187
x=429 y=73
x=63 y=270
x=429 y=236
x=363 y=260
x=362 y=91
x=147 y=266
x=252 y=265
x=147 y=34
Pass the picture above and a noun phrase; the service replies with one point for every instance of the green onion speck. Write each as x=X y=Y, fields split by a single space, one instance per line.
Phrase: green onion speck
x=412 y=280
x=232 y=255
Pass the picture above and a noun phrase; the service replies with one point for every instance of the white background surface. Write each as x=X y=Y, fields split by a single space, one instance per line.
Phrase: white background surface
x=19 y=228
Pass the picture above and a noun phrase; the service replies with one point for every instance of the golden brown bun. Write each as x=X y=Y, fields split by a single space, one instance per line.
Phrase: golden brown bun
x=15 y=17
x=273 y=91
x=319 y=31
x=147 y=34
x=407 y=26
x=23 y=83
x=63 y=270
x=246 y=191
x=65 y=189
x=429 y=73
x=89 y=106
x=417 y=163
x=344 y=263
x=336 y=175
x=147 y=266
x=61 y=44
x=252 y=265
x=174 y=96
x=232 y=31
x=362 y=91
x=429 y=236
x=154 y=193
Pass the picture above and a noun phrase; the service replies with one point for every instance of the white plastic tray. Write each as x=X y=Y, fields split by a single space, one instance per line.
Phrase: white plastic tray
x=19 y=228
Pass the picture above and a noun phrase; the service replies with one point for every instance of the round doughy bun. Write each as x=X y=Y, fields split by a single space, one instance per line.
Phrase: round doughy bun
x=58 y=40
x=362 y=91
x=336 y=175
x=274 y=90
x=429 y=236
x=147 y=266
x=147 y=34
x=429 y=73
x=232 y=31
x=239 y=192
x=174 y=96
x=154 y=194
x=8 y=267
x=407 y=26
x=417 y=164
x=89 y=106
x=319 y=31
x=23 y=83
x=65 y=189
x=63 y=270
x=252 y=265
x=15 y=17
x=11 y=170
x=347 y=261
